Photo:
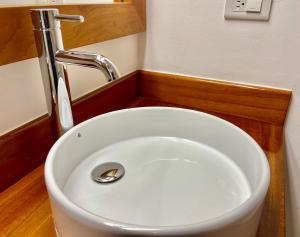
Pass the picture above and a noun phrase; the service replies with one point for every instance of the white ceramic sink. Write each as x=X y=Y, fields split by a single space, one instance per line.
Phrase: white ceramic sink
x=186 y=173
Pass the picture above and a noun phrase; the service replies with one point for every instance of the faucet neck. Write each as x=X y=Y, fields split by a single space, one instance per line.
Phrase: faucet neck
x=53 y=58
x=89 y=60
x=48 y=38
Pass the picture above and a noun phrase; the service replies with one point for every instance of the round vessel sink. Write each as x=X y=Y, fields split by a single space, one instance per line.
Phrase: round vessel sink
x=156 y=171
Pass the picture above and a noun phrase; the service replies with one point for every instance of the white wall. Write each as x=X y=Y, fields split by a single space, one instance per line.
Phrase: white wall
x=191 y=37
x=20 y=2
x=21 y=90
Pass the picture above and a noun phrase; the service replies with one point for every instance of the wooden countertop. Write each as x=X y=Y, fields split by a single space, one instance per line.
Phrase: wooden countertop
x=25 y=208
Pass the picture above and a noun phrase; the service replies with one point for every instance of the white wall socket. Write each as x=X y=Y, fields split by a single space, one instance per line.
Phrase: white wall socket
x=236 y=10
x=240 y=5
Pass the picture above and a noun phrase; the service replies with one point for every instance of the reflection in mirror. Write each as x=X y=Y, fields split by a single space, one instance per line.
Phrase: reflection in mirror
x=33 y=2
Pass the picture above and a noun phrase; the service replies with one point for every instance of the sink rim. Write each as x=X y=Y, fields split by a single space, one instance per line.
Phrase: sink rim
x=103 y=223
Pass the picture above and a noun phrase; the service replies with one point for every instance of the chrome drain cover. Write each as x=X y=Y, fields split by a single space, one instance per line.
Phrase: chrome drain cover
x=108 y=172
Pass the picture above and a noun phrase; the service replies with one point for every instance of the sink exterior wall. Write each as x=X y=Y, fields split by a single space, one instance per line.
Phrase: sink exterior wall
x=69 y=227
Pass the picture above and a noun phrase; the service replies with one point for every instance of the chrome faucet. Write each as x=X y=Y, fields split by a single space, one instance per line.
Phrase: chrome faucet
x=53 y=60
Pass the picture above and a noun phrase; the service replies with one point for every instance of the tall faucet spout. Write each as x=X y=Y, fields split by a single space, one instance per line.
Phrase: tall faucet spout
x=89 y=60
x=53 y=59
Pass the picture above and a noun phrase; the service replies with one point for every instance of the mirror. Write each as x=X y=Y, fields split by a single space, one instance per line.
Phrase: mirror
x=47 y=2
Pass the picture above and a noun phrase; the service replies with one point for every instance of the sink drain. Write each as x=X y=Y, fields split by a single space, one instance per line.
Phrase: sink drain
x=108 y=172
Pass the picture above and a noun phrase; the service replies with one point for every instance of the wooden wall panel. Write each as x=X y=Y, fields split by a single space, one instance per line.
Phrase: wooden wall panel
x=141 y=9
x=102 y=22
x=252 y=102
x=113 y=96
x=24 y=149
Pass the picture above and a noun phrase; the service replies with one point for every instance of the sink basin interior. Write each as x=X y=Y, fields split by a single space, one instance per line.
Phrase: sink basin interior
x=169 y=181
x=182 y=167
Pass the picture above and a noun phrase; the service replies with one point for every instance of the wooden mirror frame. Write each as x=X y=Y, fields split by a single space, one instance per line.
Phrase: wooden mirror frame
x=102 y=22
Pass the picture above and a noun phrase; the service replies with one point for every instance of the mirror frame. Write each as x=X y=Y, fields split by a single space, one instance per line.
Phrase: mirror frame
x=102 y=22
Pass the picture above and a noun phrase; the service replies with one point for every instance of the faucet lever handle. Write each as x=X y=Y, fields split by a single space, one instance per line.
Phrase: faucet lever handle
x=70 y=18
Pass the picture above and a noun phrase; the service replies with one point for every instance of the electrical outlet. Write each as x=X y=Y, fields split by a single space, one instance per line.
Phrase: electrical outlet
x=237 y=10
x=240 y=5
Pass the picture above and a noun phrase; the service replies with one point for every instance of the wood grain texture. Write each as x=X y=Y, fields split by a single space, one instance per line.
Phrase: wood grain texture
x=35 y=220
x=137 y=90
x=252 y=102
x=113 y=96
x=25 y=148
x=141 y=10
x=273 y=217
x=140 y=6
x=25 y=208
x=102 y=22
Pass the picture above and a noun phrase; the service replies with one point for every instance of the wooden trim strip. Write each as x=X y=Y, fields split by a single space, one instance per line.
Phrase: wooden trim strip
x=102 y=22
x=252 y=102
x=25 y=148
